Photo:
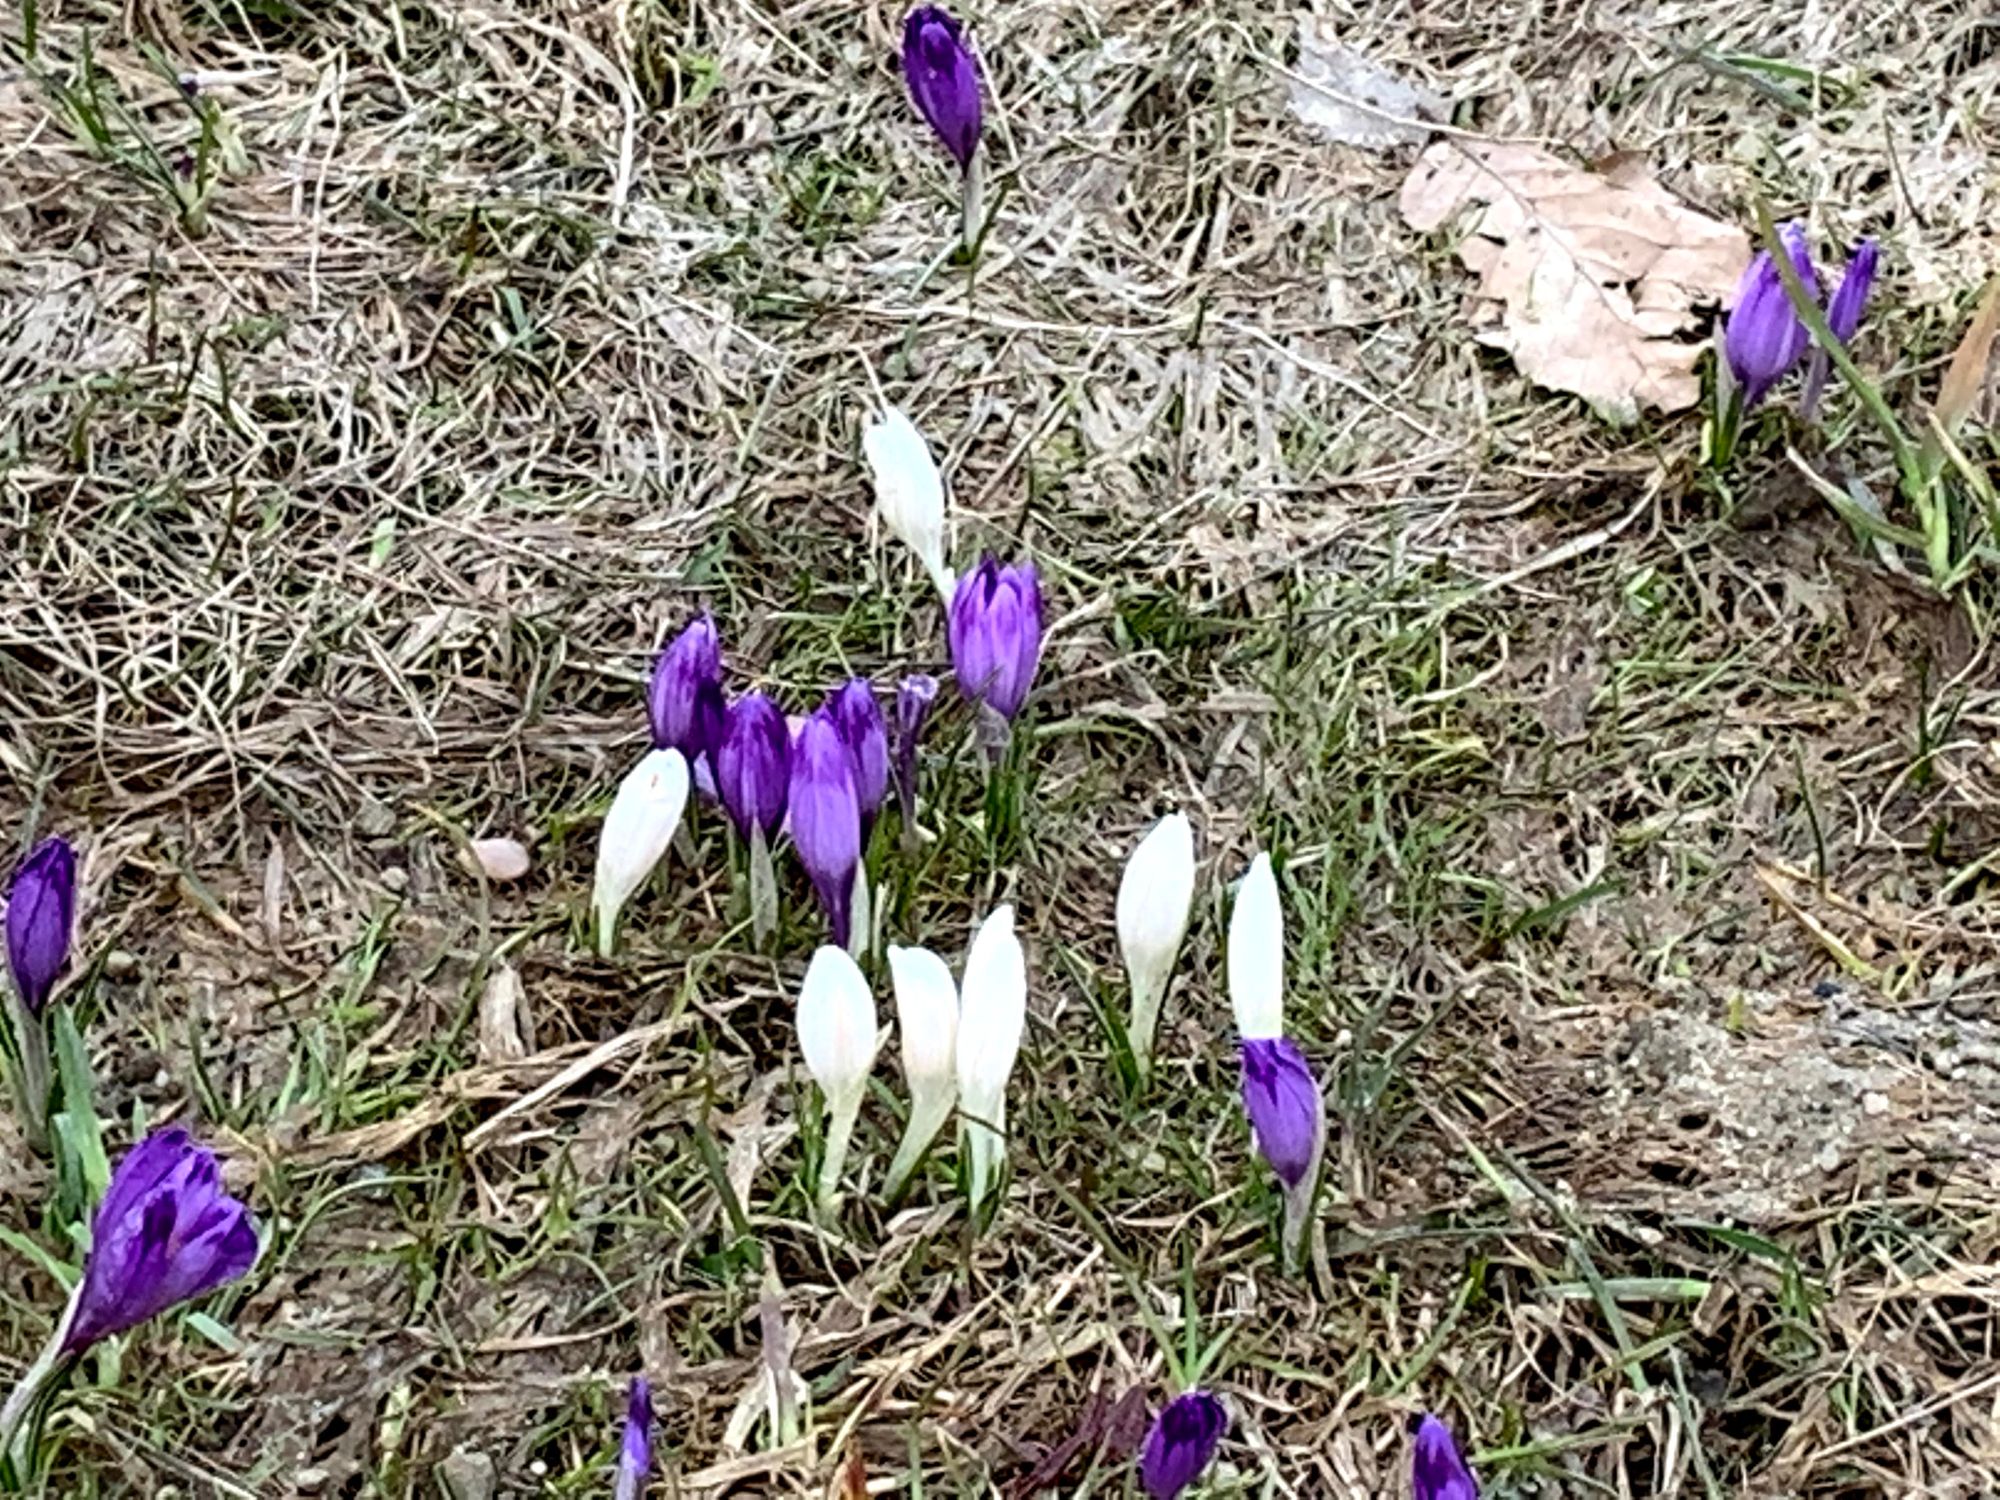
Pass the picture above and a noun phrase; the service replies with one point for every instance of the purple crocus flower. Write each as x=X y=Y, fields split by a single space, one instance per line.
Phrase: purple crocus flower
x=826 y=819
x=166 y=1232
x=858 y=717
x=1436 y=1470
x=684 y=699
x=995 y=629
x=635 y=1453
x=1843 y=316
x=1183 y=1440
x=753 y=765
x=943 y=79
x=1282 y=1099
x=1764 y=337
x=914 y=696
x=41 y=908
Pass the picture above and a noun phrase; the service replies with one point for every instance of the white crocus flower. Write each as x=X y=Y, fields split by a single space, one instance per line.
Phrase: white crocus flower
x=993 y=1009
x=837 y=1036
x=1155 y=898
x=927 y=1018
x=1257 y=955
x=909 y=491
x=637 y=830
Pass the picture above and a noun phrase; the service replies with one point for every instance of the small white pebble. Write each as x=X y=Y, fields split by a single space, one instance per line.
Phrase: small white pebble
x=1874 y=1104
x=539 y=1469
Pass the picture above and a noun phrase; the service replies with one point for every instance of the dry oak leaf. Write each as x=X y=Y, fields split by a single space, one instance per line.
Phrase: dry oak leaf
x=1595 y=274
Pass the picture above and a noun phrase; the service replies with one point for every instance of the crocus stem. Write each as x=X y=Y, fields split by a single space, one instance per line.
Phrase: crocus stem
x=929 y=1109
x=1139 y=1034
x=763 y=887
x=17 y=1430
x=684 y=841
x=861 y=929
x=841 y=1114
x=972 y=200
x=984 y=1150
x=30 y=1073
x=1728 y=422
x=1298 y=1215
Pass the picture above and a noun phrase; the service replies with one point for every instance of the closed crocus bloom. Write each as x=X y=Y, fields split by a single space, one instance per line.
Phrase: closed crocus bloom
x=644 y=814
x=1282 y=1099
x=927 y=1020
x=684 y=699
x=943 y=79
x=909 y=491
x=166 y=1232
x=635 y=1450
x=826 y=817
x=1257 y=954
x=995 y=630
x=862 y=728
x=1437 y=1472
x=753 y=765
x=992 y=1012
x=914 y=696
x=1155 y=898
x=1843 y=316
x=1181 y=1444
x=837 y=1038
x=1764 y=336
x=41 y=910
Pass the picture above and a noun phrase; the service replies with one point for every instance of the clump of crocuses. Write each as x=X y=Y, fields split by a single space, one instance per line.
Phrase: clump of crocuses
x=41 y=918
x=1181 y=1444
x=167 y=1231
x=1764 y=338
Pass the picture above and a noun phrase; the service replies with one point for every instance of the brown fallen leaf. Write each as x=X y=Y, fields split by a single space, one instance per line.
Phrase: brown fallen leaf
x=501 y=859
x=1594 y=275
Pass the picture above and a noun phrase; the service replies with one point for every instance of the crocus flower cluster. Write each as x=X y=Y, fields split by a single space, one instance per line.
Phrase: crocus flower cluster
x=823 y=778
x=959 y=1043
x=1764 y=337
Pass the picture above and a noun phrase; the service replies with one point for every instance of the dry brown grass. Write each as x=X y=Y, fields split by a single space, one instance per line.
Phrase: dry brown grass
x=341 y=519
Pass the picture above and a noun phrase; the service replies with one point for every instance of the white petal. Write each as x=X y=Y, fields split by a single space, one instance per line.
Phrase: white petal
x=836 y=1023
x=1257 y=955
x=909 y=491
x=637 y=830
x=926 y=1013
x=1155 y=899
x=992 y=1010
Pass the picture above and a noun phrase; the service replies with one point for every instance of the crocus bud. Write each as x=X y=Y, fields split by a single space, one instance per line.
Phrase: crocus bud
x=644 y=814
x=914 y=696
x=858 y=717
x=1437 y=1472
x=927 y=1019
x=41 y=909
x=995 y=630
x=992 y=1012
x=635 y=1451
x=1282 y=1099
x=684 y=699
x=1257 y=955
x=166 y=1232
x=1181 y=1444
x=826 y=818
x=943 y=79
x=909 y=492
x=1764 y=337
x=1155 y=898
x=753 y=765
x=1843 y=316
x=837 y=1038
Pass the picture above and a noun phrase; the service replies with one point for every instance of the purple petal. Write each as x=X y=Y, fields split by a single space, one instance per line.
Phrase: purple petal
x=754 y=765
x=41 y=911
x=1282 y=1099
x=635 y=1450
x=683 y=711
x=1437 y=1472
x=943 y=79
x=1181 y=1444
x=826 y=817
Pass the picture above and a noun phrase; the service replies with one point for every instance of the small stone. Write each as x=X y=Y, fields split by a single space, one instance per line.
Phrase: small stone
x=119 y=964
x=501 y=859
x=468 y=1475
x=1828 y=1159
x=310 y=1481
x=1874 y=1104
x=396 y=878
